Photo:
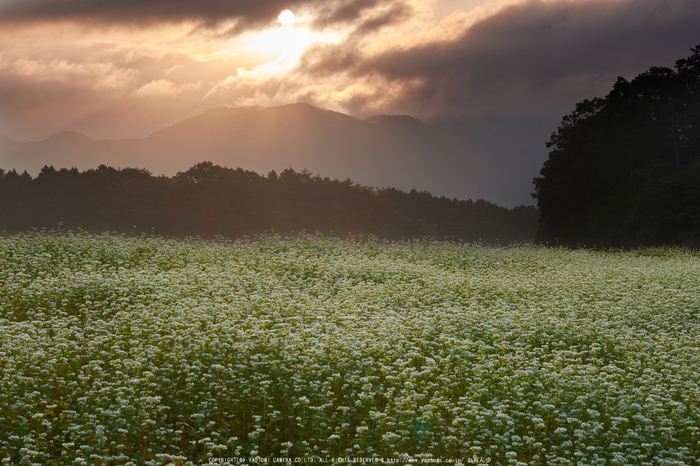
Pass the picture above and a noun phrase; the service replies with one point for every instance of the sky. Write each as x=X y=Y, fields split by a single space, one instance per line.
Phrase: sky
x=126 y=68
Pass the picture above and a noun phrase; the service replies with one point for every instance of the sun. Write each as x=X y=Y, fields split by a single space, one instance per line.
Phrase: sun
x=286 y=17
x=286 y=42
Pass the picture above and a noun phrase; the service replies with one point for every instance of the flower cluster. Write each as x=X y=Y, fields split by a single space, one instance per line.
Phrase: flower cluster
x=119 y=350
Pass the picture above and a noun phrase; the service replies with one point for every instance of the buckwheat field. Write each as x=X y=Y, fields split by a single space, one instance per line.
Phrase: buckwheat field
x=150 y=351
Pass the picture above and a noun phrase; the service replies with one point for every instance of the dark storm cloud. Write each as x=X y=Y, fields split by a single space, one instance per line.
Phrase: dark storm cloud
x=396 y=14
x=250 y=14
x=345 y=12
x=533 y=53
x=135 y=11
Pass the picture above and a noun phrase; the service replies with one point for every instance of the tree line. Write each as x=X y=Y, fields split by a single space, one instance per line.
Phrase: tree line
x=209 y=200
x=624 y=170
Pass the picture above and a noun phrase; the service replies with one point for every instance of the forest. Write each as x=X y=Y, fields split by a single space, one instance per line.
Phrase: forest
x=624 y=170
x=209 y=200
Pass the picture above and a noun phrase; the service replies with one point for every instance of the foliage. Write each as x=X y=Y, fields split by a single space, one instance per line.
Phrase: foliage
x=209 y=200
x=119 y=350
x=624 y=170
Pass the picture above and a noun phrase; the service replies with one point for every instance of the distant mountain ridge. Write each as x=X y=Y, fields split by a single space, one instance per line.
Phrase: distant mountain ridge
x=383 y=151
x=66 y=137
x=398 y=121
x=7 y=143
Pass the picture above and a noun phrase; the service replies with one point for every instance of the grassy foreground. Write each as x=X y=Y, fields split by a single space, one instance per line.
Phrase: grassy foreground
x=117 y=350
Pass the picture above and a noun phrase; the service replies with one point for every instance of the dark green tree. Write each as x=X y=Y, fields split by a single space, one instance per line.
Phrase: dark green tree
x=622 y=170
x=208 y=200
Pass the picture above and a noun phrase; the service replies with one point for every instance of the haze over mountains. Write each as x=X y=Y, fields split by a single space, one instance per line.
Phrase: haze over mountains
x=398 y=151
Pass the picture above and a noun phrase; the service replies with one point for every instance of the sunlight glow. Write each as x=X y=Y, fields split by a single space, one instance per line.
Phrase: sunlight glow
x=286 y=17
x=284 y=42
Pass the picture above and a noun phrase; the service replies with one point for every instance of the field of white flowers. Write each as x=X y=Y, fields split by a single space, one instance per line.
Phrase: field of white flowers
x=119 y=350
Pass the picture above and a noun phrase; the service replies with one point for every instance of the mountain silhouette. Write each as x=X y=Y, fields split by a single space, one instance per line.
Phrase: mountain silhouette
x=66 y=137
x=399 y=122
x=7 y=144
x=397 y=151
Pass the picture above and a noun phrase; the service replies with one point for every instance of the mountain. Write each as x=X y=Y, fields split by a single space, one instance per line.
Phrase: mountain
x=302 y=136
x=383 y=151
x=374 y=152
x=8 y=143
x=67 y=138
x=399 y=122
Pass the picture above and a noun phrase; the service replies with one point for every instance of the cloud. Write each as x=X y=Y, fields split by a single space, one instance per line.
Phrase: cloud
x=344 y=12
x=396 y=13
x=115 y=94
x=138 y=11
x=534 y=56
x=164 y=88
x=245 y=14
x=97 y=75
x=367 y=15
